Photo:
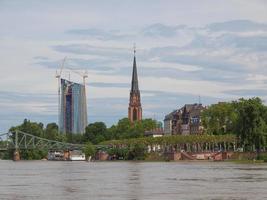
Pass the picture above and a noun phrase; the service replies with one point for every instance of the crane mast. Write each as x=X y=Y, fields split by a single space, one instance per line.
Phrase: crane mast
x=58 y=76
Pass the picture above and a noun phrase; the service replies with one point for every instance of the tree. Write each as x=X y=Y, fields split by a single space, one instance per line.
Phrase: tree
x=251 y=123
x=219 y=118
x=95 y=132
x=33 y=128
x=119 y=153
x=137 y=152
x=123 y=128
x=51 y=131
x=89 y=150
x=149 y=124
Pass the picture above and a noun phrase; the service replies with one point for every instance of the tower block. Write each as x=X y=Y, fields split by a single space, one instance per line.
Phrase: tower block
x=135 y=108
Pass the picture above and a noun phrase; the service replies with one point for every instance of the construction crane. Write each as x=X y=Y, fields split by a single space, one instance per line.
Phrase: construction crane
x=58 y=76
x=83 y=75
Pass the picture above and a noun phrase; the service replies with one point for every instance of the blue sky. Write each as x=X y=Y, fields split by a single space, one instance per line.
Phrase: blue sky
x=215 y=49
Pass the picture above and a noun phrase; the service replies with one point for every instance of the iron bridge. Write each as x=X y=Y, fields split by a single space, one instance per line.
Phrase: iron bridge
x=21 y=140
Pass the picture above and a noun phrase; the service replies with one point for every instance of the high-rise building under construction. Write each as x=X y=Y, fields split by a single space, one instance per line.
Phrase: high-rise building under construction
x=73 y=109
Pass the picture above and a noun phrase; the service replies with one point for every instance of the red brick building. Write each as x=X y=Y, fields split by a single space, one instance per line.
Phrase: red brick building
x=135 y=108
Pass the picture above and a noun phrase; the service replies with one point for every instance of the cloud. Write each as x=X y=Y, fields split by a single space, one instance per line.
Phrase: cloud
x=161 y=30
x=75 y=64
x=92 y=50
x=247 y=92
x=107 y=85
x=176 y=64
x=99 y=34
x=237 y=26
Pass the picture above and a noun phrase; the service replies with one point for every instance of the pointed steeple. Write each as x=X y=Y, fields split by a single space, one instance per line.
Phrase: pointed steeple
x=134 y=87
x=135 y=108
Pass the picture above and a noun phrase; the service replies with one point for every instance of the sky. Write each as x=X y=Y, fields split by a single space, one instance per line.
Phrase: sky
x=187 y=51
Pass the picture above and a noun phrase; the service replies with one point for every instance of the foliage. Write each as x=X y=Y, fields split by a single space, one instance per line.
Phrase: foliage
x=51 y=131
x=173 y=140
x=98 y=132
x=89 y=150
x=243 y=122
x=131 y=152
x=32 y=154
x=247 y=119
x=95 y=132
x=33 y=128
x=137 y=152
x=119 y=153
x=76 y=138
x=219 y=118
x=251 y=125
x=262 y=156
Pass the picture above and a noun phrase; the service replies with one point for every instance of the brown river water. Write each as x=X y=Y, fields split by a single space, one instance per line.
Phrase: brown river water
x=132 y=180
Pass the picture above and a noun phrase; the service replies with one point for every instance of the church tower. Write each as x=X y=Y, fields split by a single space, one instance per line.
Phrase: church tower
x=135 y=109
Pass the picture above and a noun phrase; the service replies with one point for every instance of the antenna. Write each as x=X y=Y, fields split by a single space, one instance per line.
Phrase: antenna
x=199 y=99
x=134 y=48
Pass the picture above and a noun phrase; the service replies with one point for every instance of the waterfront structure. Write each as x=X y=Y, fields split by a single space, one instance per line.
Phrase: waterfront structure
x=184 y=121
x=67 y=155
x=157 y=132
x=135 y=108
x=73 y=109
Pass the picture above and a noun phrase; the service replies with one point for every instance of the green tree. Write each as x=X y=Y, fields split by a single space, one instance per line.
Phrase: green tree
x=119 y=153
x=51 y=131
x=251 y=123
x=95 y=132
x=89 y=150
x=149 y=124
x=123 y=128
x=33 y=128
x=219 y=118
x=137 y=152
x=112 y=133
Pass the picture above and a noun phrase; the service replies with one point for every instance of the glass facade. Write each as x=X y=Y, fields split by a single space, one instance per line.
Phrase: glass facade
x=73 y=109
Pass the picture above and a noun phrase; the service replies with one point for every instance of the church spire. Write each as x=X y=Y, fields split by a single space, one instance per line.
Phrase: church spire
x=134 y=87
x=135 y=109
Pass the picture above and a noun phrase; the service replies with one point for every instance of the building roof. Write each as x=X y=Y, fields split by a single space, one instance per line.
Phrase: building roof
x=188 y=108
x=134 y=87
x=170 y=115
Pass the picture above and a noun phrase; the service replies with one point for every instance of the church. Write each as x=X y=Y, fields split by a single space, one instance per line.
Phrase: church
x=135 y=108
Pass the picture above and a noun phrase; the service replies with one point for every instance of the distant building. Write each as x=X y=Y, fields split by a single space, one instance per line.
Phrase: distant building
x=184 y=121
x=135 y=108
x=157 y=132
x=73 y=109
x=168 y=120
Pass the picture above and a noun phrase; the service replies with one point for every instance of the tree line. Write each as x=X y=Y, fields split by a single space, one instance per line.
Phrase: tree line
x=95 y=133
x=244 y=118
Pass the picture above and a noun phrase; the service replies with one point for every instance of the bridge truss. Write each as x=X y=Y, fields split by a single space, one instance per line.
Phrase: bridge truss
x=20 y=140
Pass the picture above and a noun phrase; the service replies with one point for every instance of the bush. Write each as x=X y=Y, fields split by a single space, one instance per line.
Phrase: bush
x=137 y=152
x=89 y=150
x=263 y=157
x=119 y=153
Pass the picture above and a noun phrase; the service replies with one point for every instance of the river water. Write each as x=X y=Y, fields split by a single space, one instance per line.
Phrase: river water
x=132 y=180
